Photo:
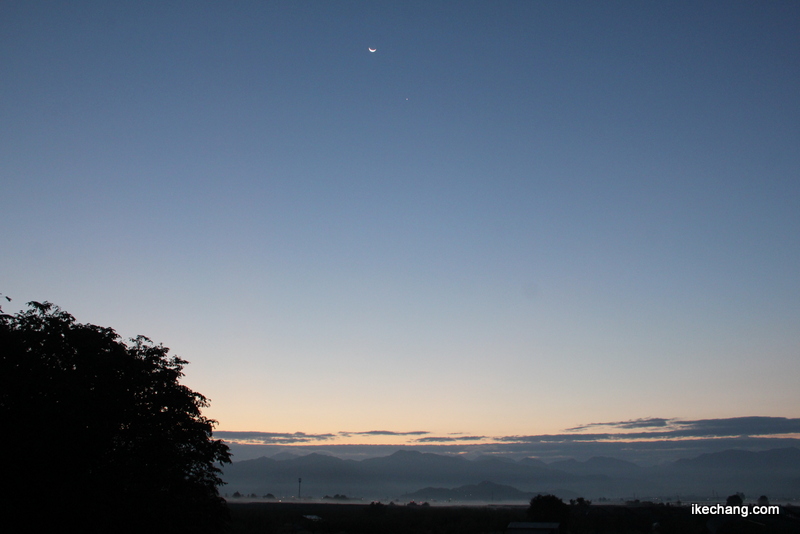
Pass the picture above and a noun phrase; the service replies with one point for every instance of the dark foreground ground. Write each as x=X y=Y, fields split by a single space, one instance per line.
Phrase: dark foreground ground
x=265 y=518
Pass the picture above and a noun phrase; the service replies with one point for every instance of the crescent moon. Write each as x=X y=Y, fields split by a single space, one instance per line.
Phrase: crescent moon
x=372 y=49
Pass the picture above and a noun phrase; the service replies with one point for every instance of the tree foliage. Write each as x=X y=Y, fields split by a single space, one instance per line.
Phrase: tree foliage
x=548 y=508
x=737 y=499
x=101 y=432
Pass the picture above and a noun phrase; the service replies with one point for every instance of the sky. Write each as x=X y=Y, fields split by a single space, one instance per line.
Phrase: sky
x=511 y=219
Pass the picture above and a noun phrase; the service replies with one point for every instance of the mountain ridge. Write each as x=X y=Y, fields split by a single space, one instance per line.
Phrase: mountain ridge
x=776 y=471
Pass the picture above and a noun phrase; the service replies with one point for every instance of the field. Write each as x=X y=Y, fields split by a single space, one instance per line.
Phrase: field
x=264 y=518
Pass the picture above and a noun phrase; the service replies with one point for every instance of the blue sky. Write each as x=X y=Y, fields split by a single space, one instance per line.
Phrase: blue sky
x=512 y=219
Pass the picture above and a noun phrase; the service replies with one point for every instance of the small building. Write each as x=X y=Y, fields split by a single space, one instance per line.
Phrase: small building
x=525 y=527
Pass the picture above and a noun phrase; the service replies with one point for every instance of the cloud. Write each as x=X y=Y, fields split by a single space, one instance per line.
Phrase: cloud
x=718 y=428
x=554 y=438
x=738 y=426
x=650 y=422
x=662 y=430
x=434 y=439
x=384 y=433
x=266 y=438
x=285 y=438
x=676 y=429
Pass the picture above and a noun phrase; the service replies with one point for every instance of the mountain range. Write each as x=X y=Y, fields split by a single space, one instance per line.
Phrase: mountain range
x=775 y=473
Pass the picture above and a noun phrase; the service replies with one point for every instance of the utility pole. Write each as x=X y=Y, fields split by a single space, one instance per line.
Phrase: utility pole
x=299 y=481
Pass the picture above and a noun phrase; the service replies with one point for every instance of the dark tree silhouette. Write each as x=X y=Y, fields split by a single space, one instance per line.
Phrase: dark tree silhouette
x=737 y=499
x=548 y=508
x=100 y=434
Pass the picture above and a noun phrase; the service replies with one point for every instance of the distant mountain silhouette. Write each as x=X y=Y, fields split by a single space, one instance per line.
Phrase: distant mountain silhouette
x=597 y=465
x=491 y=458
x=781 y=460
x=775 y=473
x=534 y=462
x=285 y=456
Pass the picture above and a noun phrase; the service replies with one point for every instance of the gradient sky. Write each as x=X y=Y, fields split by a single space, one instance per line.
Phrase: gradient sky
x=513 y=218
